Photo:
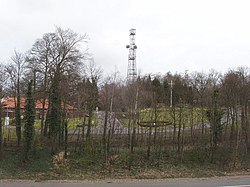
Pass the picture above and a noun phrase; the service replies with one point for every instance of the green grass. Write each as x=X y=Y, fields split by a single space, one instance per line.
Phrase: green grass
x=91 y=166
x=88 y=166
x=9 y=133
x=73 y=122
x=167 y=115
x=12 y=166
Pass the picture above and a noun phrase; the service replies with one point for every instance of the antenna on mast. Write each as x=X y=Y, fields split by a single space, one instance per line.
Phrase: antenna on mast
x=131 y=71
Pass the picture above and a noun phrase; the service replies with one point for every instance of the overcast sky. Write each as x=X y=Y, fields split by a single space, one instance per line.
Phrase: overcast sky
x=171 y=35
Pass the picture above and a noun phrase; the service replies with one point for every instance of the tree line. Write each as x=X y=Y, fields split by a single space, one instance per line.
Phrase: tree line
x=162 y=113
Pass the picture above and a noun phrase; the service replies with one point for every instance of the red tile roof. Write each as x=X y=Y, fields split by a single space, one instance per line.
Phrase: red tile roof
x=10 y=103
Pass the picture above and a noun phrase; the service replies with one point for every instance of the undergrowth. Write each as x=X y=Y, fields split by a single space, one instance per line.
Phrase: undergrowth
x=120 y=165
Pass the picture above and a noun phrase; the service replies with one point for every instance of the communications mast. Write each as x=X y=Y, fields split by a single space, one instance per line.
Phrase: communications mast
x=131 y=71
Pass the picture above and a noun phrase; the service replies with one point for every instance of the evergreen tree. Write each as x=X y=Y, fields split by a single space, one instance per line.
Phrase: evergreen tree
x=157 y=89
x=55 y=114
x=92 y=101
x=29 y=117
x=166 y=91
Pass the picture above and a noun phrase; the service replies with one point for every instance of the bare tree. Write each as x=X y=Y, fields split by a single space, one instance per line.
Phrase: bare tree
x=15 y=72
x=2 y=81
x=107 y=97
x=244 y=75
x=57 y=55
x=93 y=74
x=39 y=58
x=200 y=83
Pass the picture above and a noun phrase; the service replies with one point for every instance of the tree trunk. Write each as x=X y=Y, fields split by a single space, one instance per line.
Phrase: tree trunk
x=18 y=120
x=129 y=131
x=245 y=125
x=89 y=126
x=44 y=114
x=66 y=138
x=202 y=120
x=149 y=142
x=179 y=130
x=192 y=123
x=104 y=136
x=174 y=122
x=83 y=136
x=133 y=139
x=42 y=117
x=1 y=133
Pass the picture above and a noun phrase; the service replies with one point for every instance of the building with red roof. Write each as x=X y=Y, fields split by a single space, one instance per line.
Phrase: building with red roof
x=9 y=106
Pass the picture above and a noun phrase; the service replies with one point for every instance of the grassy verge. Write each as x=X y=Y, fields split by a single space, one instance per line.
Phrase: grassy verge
x=42 y=166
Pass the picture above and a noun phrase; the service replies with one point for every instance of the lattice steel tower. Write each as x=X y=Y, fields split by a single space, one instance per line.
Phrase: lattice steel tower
x=132 y=71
